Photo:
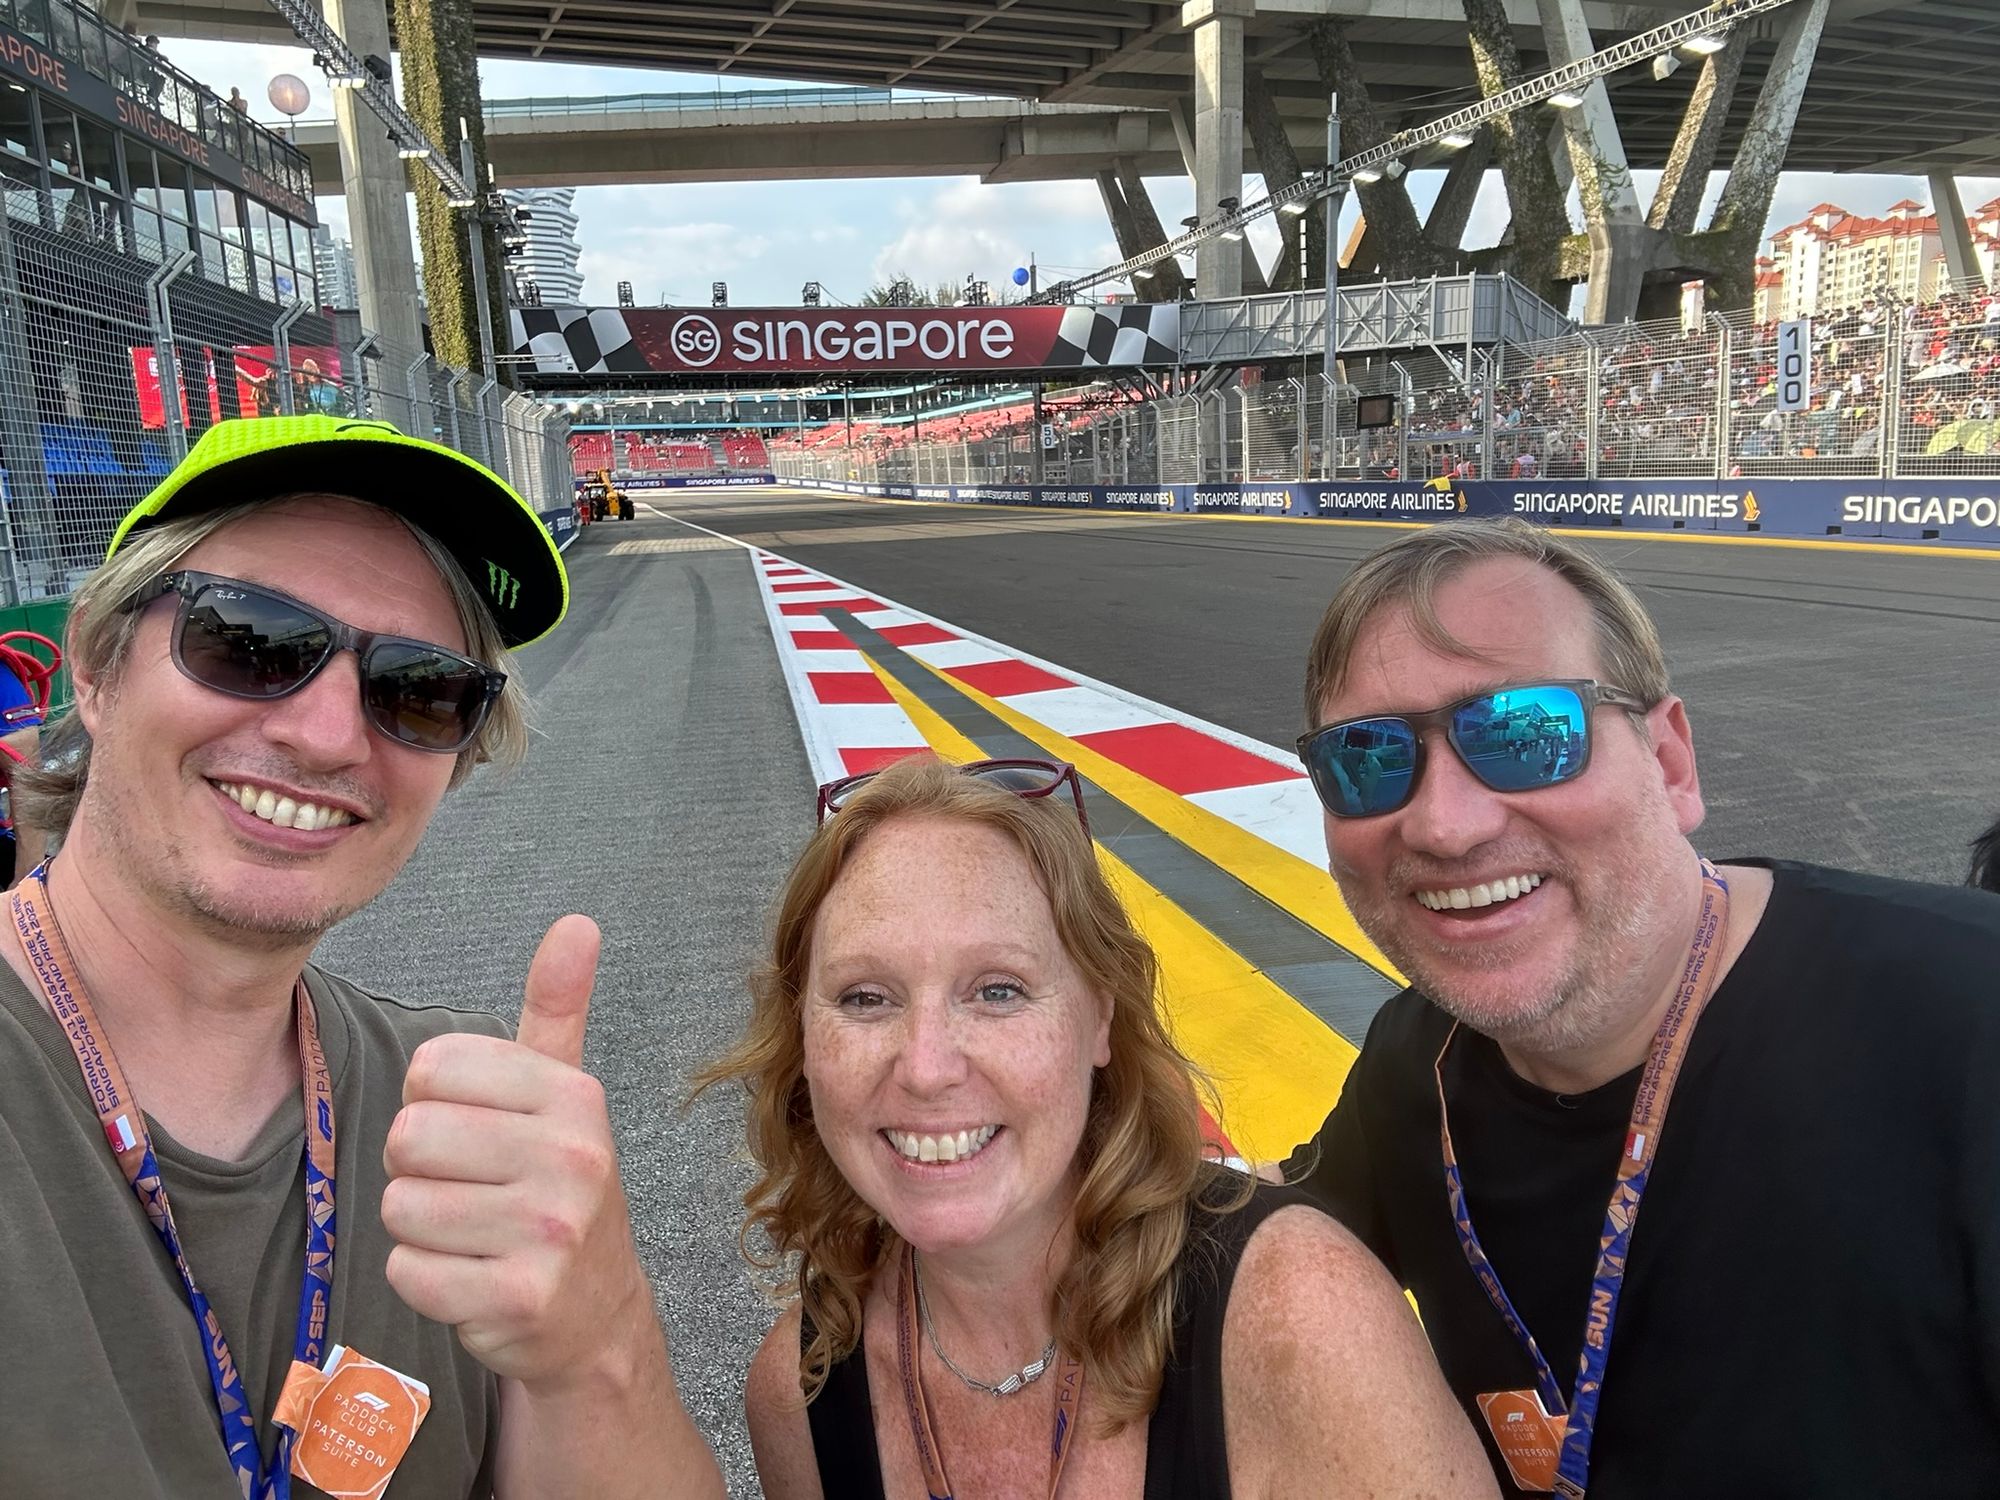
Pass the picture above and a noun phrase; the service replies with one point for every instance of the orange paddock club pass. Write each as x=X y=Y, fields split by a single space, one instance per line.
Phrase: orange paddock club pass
x=355 y=1420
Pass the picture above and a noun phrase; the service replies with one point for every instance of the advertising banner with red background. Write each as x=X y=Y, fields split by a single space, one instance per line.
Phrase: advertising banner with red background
x=814 y=340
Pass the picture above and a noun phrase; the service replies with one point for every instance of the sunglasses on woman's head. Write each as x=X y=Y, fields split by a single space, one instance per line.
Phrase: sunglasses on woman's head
x=1514 y=739
x=253 y=642
x=1024 y=778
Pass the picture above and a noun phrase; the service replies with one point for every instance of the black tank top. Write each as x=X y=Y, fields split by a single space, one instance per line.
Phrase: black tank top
x=1187 y=1453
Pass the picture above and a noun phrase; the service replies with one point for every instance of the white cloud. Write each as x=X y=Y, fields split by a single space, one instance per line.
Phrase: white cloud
x=687 y=256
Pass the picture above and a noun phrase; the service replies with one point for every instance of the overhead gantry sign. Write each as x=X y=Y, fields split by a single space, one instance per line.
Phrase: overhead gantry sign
x=850 y=340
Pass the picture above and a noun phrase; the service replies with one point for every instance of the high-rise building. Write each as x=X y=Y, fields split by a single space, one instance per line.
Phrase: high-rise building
x=1832 y=259
x=549 y=260
x=333 y=260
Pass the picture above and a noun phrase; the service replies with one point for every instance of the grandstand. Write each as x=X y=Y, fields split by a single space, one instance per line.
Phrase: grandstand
x=641 y=453
x=1897 y=389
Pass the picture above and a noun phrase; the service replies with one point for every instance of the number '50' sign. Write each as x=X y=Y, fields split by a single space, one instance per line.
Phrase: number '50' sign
x=1795 y=365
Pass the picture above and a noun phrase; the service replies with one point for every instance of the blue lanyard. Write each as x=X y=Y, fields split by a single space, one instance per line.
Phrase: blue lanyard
x=1635 y=1163
x=131 y=1142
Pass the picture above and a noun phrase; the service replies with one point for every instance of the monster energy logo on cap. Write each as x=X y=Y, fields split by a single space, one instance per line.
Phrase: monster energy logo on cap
x=502 y=587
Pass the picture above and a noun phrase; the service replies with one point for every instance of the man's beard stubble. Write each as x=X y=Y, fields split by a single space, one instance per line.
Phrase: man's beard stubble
x=251 y=922
x=1614 y=926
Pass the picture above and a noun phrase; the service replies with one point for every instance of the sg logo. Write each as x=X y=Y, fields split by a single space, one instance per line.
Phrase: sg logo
x=696 y=340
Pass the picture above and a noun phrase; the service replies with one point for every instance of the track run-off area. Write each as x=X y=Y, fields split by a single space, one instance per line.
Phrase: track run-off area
x=728 y=650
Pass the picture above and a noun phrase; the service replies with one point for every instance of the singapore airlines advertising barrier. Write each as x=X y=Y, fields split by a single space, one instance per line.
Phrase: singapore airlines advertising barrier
x=1881 y=509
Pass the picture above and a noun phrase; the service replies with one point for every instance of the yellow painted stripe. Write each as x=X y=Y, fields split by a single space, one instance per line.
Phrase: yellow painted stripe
x=1604 y=534
x=1280 y=877
x=1275 y=1068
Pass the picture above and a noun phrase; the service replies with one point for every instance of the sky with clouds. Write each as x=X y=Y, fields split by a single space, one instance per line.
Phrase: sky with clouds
x=768 y=239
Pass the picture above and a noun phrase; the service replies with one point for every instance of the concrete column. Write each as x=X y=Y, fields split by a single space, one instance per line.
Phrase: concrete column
x=1218 y=133
x=1565 y=177
x=1678 y=197
x=1621 y=242
x=1738 y=224
x=1596 y=149
x=1397 y=233
x=377 y=185
x=1122 y=228
x=1445 y=226
x=1168 y=282
x=1272 y=145
x=1182 y=114
x=1961 y=260
x=1540 y=218
x=118 y=13
x=1125 y=229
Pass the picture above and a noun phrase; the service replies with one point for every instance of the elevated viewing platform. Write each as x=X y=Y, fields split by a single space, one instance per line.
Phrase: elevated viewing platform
x=1382 y=317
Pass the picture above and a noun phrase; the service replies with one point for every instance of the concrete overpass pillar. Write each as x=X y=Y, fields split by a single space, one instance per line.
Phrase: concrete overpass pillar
x=1753 y=176
x=1125 y=229
x=376 y=183
x=1564 y=178
x=1168 y=283
x=1115 y=209
x=1678 y=197
x=1445 y=225
x=1182 y=114
x=1540 y=218
x=118 y=13
x=1395 y=230
x=1621 y=242
x=1279 y=163
x=1218 y=133
x=1961 y=260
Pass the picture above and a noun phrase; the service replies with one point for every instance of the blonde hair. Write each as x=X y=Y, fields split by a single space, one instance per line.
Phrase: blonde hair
x=103 y=625
x=1140 y=1157
x=1408 y=572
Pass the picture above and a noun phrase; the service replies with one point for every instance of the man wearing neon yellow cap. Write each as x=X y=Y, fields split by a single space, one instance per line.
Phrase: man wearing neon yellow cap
x=423 y=1283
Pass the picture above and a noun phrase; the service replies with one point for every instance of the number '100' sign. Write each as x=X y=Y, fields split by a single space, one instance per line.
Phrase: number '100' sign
x=1795 y=365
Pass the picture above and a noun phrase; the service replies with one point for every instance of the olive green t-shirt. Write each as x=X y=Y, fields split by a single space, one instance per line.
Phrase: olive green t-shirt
x=103 y=1388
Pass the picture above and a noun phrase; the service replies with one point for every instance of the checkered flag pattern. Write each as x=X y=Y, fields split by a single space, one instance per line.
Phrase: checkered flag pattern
x=1138 y=333
x=577 y=340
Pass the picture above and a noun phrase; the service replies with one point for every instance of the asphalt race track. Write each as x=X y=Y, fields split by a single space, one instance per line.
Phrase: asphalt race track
x=1845 y=702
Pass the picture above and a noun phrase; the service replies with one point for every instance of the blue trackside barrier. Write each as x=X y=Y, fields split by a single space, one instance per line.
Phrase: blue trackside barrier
x=1944 y=510
x=561 y=525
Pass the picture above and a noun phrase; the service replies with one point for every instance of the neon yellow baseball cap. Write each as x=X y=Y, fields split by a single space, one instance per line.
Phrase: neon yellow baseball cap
x=474 y=514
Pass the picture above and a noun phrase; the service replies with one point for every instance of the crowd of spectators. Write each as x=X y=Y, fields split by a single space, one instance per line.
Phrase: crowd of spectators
x=995 y=443
x=1658 y=403
x=640 y=453
x=1651 y=399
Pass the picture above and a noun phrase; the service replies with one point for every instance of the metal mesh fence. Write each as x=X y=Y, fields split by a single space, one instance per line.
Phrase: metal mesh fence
x=1946 y=371
x=1897 y=390
x=1840 y=433
x=117 y=354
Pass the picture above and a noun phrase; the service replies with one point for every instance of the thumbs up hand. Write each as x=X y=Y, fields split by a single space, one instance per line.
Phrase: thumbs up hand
x=503 y=1194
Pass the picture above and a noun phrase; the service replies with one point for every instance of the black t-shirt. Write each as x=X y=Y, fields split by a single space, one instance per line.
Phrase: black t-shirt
x=1812 y=1303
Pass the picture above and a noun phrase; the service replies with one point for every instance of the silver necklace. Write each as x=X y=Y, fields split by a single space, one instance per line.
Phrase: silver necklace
x=1027 y=1375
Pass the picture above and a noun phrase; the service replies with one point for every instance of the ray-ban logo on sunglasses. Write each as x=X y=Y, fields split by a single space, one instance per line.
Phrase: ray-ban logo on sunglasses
x=503 y=586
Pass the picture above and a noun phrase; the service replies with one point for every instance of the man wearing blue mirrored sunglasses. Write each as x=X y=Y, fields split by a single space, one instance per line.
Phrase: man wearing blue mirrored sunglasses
x=1810 y=1304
